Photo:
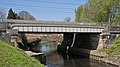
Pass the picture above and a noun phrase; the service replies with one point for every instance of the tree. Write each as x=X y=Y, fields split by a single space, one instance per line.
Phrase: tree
x=116 y=19
x=96 y=10
x=79 y=14
x=17 y=16
x=2 y=15
x=67 y=19
x=12 y=15
x=26 y=15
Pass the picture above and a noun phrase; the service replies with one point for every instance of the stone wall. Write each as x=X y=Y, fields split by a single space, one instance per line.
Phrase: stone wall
x=5 y=37
x=47 y=37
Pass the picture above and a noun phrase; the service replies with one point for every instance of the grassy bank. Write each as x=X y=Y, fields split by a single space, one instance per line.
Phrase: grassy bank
x=115 y=49
x=14 y=57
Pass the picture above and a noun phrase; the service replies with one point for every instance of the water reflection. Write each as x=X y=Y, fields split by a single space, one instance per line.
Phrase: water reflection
x=55 y=59
x=63 y=60
x=45 y=47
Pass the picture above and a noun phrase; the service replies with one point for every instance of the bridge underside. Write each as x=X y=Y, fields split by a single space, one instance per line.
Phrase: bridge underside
x=80 y=40
x=80 y=37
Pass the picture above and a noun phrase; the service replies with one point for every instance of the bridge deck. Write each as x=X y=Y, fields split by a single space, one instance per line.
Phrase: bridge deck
x=55 y=26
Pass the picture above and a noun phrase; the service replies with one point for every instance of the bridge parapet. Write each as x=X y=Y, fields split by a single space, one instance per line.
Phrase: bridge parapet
x=115 y=29
x=48 y=22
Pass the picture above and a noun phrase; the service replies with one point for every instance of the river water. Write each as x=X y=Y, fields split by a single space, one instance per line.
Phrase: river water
x=56 y=59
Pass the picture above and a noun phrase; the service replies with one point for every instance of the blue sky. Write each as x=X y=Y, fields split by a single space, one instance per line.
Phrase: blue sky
x=55 y=10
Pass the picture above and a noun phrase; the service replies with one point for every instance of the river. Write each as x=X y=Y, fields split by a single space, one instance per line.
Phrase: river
x=56 y=59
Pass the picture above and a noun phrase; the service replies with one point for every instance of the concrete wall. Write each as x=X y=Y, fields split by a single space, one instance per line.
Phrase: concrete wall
x=67 y=41
x=82 y=40
x=86 y=41
x=5 y=37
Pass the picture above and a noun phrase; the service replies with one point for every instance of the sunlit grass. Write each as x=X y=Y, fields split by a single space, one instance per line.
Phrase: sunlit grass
x=115 y=49
x=14 y=57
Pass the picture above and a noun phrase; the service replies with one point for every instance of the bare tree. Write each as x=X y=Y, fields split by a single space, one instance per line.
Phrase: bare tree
x=2 y=15
x=26 y=15
x=67 y=19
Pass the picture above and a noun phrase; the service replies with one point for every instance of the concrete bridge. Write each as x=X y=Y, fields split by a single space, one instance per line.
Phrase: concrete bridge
x=80 y=35
x=26 y=26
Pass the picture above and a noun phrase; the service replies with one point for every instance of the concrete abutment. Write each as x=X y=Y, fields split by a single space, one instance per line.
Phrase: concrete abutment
x=89 y=41
x=67 y=42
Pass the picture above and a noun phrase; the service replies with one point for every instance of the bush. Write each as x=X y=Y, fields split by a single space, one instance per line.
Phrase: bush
x=115 y=49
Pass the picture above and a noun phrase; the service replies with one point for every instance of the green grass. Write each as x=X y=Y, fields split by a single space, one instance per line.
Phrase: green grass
x=14 y=57
x=115 y=49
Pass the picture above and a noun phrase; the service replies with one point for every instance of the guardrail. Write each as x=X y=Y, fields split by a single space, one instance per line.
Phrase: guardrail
x=47 y=22
x=115 y=28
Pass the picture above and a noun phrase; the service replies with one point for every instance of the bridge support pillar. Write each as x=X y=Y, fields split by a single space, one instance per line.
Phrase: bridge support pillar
x=14 y=40
x=13 y=35
x=84 y=43
x=67 y=42
x=101 y=42
x=104 y=38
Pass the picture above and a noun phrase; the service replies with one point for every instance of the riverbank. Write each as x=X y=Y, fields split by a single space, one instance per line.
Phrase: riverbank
x=113 y=52
x=14 y=57
x=97 y=55
x=110 y=55
x=104 y=57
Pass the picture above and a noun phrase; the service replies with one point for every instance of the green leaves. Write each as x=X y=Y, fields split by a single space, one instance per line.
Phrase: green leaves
x=116 y=20
x=115 y=49
x=11 y=14
x=96 y=10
